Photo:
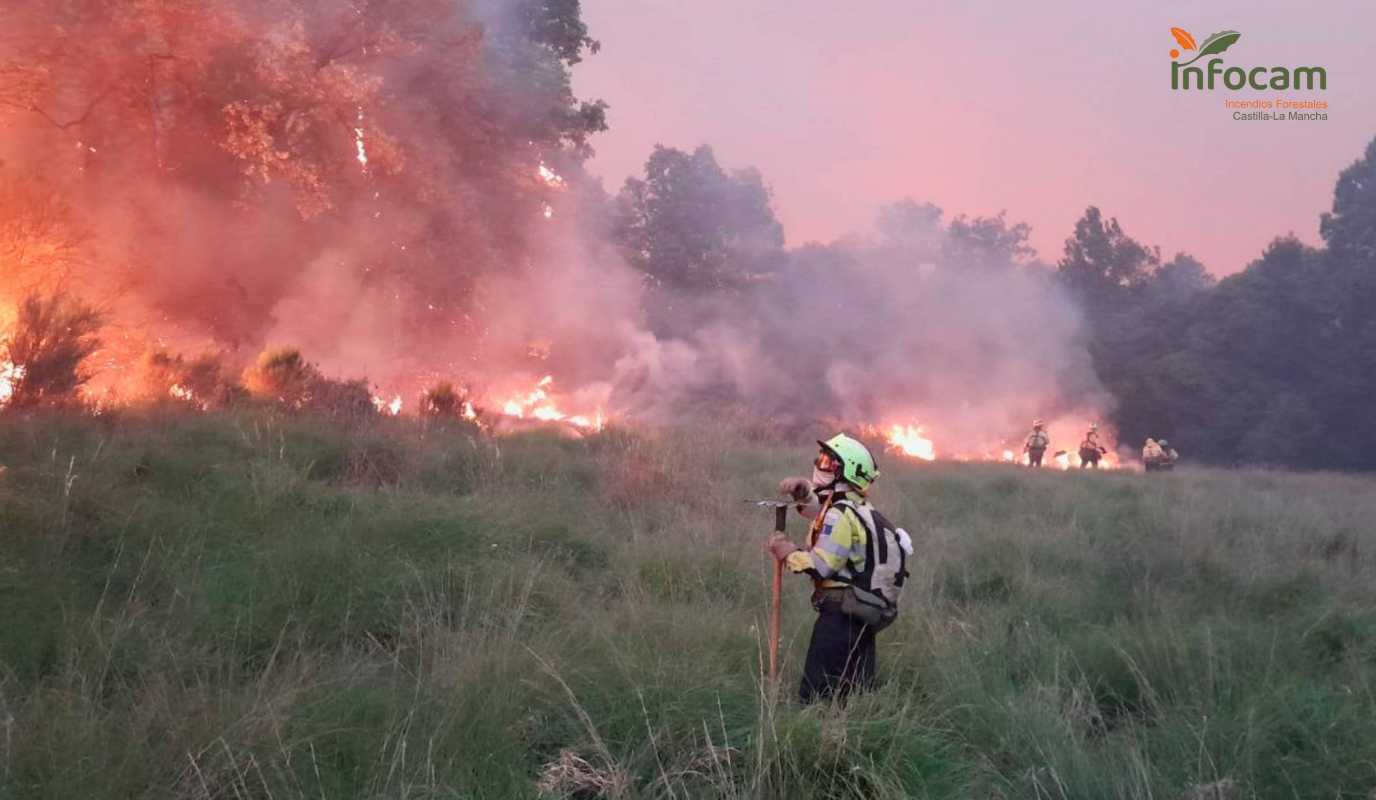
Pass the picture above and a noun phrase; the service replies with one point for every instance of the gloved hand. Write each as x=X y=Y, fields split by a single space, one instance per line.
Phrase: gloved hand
x=780 y=546
x=797 y=488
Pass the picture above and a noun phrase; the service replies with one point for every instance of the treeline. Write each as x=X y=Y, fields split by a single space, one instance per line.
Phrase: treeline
x=1274 y=365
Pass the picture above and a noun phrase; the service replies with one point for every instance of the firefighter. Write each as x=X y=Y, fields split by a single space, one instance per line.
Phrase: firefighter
x=1037 y=442
x=841 y=653
x=1153 y=457
x=1168 y=455
x=1090 y=449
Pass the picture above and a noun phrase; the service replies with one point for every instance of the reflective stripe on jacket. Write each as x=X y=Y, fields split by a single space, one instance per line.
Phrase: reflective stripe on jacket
x=838 y=552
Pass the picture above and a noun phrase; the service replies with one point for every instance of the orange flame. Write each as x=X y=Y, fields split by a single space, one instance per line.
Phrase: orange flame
x=550 y=177
x=911 y=441
x=391 y=407
x=916 y=441
x=537 y=404
x=9 y=373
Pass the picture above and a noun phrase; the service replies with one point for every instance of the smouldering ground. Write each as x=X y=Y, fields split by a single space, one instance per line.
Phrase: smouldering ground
x=250 y=606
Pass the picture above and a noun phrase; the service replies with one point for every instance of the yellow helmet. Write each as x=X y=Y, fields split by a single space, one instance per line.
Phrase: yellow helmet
x=857 y=463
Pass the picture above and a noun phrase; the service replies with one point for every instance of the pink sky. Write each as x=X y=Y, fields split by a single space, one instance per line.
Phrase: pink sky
x=1040 y=109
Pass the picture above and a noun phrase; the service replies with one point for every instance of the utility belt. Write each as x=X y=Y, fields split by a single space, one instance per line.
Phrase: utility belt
x=858 y=604
x=828 y=596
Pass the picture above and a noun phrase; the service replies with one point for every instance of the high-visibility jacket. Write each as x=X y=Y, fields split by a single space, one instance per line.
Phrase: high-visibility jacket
x=836 y=552
x=1038 y=440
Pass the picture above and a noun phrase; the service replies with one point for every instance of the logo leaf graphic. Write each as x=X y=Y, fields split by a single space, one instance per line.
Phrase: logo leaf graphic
x=1183 y=36
x=1219 y=42
x=1215 y=44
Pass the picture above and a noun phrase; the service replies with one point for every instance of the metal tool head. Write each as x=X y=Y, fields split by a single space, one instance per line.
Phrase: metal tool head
x=780 y=510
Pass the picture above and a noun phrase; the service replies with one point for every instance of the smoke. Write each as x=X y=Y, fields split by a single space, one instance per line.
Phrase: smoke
x=222 y=203
x=913 y=324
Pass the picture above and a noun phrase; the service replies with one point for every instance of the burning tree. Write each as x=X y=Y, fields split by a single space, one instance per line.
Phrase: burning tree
x=42 y=365
x=273 y=136
x=39 y=244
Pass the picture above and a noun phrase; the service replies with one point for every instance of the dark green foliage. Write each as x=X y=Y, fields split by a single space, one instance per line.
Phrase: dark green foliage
x=688 y=225
x=1273 y=365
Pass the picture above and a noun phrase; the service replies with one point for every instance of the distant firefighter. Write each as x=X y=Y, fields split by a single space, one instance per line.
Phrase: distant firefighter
x=1090 y=449
x=1159 y=456
x=1037 y=442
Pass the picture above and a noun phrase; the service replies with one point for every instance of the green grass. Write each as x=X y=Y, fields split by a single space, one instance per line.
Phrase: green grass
x=251 y=606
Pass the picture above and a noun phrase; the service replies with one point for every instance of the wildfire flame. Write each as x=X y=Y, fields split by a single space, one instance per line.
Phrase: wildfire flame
x=359 y=143
x=550 y=177
x=916 y=441
x=389 y=407
x=553 y=180
x=910 y=440
x=537 y=404
x=9 y=374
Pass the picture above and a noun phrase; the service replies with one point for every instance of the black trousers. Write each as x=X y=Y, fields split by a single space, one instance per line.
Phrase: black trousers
x=1089 y=458
x=840 y=656
x=1034 y=456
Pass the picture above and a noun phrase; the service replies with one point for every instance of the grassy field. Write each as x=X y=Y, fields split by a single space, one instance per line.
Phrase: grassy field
x=248 y=606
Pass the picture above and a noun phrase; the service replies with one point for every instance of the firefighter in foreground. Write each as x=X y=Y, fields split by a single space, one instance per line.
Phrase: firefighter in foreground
x=857 y=561
x=1090 y=449
x=1037 y=442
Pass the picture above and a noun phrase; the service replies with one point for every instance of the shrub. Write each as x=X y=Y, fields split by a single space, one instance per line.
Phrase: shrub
x=203 y=382
x=444 y=400
x=345 y=400
x=282 y=374
x=50 y=340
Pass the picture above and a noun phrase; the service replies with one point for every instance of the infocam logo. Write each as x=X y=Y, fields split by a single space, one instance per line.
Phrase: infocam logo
x=1214 y=72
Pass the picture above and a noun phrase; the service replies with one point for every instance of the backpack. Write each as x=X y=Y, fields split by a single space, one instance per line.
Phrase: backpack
x=873 y=594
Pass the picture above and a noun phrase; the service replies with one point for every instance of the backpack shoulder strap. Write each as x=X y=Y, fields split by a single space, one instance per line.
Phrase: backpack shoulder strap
x=871 y=535
x=874 y=539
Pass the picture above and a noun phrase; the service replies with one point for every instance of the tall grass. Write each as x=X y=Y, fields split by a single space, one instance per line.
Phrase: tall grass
x=247 y=605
